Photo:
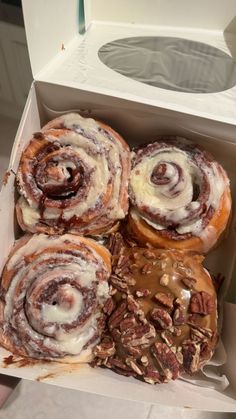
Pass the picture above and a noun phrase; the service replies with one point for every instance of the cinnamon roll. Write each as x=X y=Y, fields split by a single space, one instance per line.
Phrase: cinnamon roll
x=53 y=290
x=162 y=318
x=73 y=177
x=180 y=196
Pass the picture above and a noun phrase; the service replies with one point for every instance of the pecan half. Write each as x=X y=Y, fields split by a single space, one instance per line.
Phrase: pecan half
x=104 y=350
x=178 y=316
x=191 y=356
x=133 y=305
x=165 y=299
x=109 y=306
x=120 y=367
x=122 y=266
x=116 y=244
x=188 y=281
x=166 y=360
x=202 y=303
x=117 y=316
x=161 y=317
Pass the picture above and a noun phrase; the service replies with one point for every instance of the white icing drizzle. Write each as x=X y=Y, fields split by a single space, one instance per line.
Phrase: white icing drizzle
x=68 y=302
x=160 y=198
x=60 y=313
x=96 y=154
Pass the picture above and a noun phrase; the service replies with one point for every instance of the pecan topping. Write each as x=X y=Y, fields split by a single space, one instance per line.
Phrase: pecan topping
x=109 y=306
x=135 y=352
x=120 y=367
x=138 y=335
x=119 y=284
x=144 y=360
x=202 y=303
x=161 y=317
x=198 y=333
x=122 y=266
x=164 y=281
x=127 y=323
x=167 y=338
x=165 y=299
x=116 y=244
x=117 y=316
x=146 y=269
x=142 y=292
x=166 y=360
x=133 y=306
x=104 y=350
x=191 y=355
x=152 y=376
x=149 y=254
x=178 y=316
x=135 y=367
x=189 y=282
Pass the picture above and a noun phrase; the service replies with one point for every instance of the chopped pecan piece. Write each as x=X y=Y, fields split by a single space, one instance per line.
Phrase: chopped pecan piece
x=142 y=292
x=205 y=351
x=133 y=305
x=191 y=356
x=166 y=360
x=138 y=335
x=117 y=315
x=119 y=284
x=167 y=338
x=202 y=303
x=178 y=316
x=120 y=367
x=201 y=334
x=149 y=254
x=109 y=306
x=144 y=360
x=123 y=266
x=188 y=281
x=165 y=299
x=116 y=244
x=104 y=349
x=164 y=280
x=146 y=269
x=127 y=323
x=134 y=366
x=179 y=355
x=134 y=351
x=152 y=376
x=161 y=317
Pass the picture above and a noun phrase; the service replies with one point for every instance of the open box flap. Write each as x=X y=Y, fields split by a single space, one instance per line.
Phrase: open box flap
x=193 y=72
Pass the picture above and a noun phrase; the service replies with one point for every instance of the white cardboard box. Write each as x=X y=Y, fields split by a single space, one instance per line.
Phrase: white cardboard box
x=74 y=79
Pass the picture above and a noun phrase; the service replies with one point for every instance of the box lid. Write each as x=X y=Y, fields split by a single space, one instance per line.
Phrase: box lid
x=203 y=31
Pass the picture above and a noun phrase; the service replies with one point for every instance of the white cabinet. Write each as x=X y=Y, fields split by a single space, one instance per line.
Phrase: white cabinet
x=15 y=71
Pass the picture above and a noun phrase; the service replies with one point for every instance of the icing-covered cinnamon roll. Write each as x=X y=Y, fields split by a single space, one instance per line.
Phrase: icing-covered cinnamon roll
x=180 y=196
x=162 y=317
x=73 y=177
x=53 y=291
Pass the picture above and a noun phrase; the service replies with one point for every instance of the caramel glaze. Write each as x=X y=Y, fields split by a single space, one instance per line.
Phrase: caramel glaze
x=151 y=272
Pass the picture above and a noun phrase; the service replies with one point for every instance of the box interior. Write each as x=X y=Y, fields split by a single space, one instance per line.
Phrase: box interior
x=138 y=123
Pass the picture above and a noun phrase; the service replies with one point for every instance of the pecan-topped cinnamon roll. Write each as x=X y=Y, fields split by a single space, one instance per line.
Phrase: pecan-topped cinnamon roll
x=73 y=177
x=162 y=316
x=180 y=196
x=53 y=290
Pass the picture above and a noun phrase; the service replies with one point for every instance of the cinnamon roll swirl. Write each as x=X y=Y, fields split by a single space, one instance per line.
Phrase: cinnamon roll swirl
x=73 y=177
x=53 y=290
x=180 y=196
